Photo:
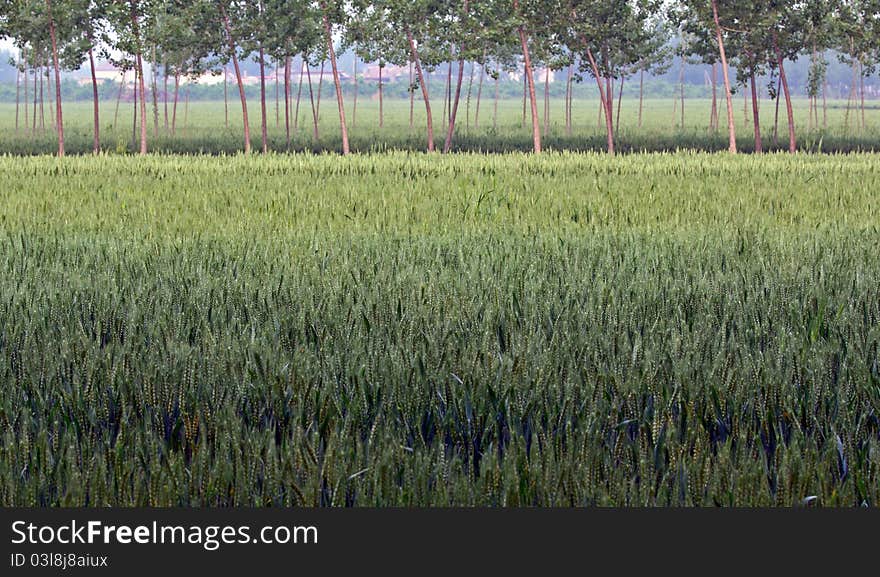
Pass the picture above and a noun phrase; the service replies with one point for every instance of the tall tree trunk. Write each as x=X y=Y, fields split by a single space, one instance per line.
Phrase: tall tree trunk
x=862 y=92
x=681 y=91
x=756 y=118
x=605 y=109
x=417 y=63
x=619 y=102
x=134 y=110
x=340 y=101
x=287 y=100
x=36 y=96
x=776 y=116
x=825 y=103
x=140 y=72
x=480 y=91
x=495 y=104
x=302 y=63
x=17 y=93
x=412 y=95
x=96 y=140
x=155 y=90
x=546 y=101
x=525 y=97
x=382 y=101
x=354 y=106
x=792 y=139
x=185 y=109
x=320 y=90
x=641 y=94
x=447 y=93
x=315 y=132
x=713 y=115
x=731 y=128
x=569 y=88
x=454 y=112
x=119 y=98
x=42 y=110
x=536 y=129
x=59 y=120
x=230 y=39
x=165 y=94
x=264 y=130
x=24 y=75
x=174 y=107
x=468 y=99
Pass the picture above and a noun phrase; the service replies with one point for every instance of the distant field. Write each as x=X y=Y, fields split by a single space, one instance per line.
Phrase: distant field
x=399 y=329
x=201 y=127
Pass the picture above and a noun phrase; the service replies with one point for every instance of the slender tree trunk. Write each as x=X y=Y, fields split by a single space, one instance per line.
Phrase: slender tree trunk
x=17 y=93
x=382 y=101
x=134 y=110
x=495 y=104
x=320 y=90
x=96 y=141
x=155 y=90
x=609 y=121
x=731 y=128
x=354 y=107
x=447 y=92
x=118 y=99
x=412 y=95
x=525 y=96
x=776 y=116
x=713 y=115
x=546 y=101
x=569 y=98
x=42 y=109
x=59 y=120
x=174 y=107
x=454 y=112
x=226 y=95
x=314 y=108
x=792 y=139
x=480 y=91
x=681 y=91
x=230 y=39
x=36 y=95
x=140 y=72
x=862 y=92
x=619 y=102
x=340 y=101
x=825 y=103
x=302 y=63
x=468 y=99
x=264 y=130
x=756 y=118
x=641 y=94
x=421 y=77
x=185 y=109
x=287 y=100
x=165 y=94
x=26 y=98
x=536 y=129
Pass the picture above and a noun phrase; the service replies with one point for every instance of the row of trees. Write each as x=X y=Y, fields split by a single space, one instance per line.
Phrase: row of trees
x=599 y=41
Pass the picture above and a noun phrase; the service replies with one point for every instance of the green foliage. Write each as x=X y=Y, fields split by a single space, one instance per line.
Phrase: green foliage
x=409 y=329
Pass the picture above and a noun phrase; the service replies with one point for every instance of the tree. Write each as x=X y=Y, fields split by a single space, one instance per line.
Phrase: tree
x=699 y=16
x=610 y=38
x=331 y=13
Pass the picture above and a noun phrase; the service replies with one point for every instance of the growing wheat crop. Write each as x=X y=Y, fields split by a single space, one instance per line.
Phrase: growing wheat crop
x=407 y=329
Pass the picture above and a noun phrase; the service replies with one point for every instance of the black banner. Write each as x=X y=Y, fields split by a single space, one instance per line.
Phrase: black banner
x=416 y=541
